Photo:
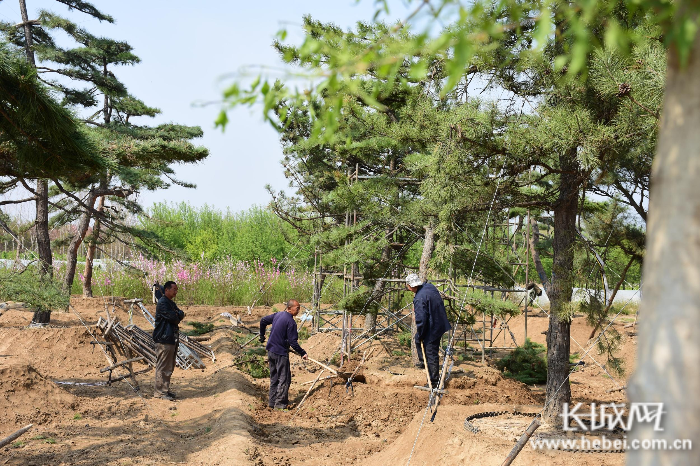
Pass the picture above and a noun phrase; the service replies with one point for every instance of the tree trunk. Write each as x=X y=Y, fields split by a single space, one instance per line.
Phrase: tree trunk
x=43 y=241
x=87 y=282
x=72 y=255
x=428 y=247
x=534 y=241
x=41 y=317
x=558 y=389
x=668 y=348
x=371 y=317
x=28 y=36
x=41 y=227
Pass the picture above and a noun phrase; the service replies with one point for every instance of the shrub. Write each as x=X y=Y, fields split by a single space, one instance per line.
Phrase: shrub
x=254 y=365
x=199 y=328
x=405 y=339
x=525 y=364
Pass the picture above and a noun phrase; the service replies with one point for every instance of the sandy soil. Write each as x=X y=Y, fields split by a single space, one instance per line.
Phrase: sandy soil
x=221 y=416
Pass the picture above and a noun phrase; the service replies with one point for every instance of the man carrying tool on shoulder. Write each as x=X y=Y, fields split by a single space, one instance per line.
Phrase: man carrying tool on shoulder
x=283 y=334
x=431 y=324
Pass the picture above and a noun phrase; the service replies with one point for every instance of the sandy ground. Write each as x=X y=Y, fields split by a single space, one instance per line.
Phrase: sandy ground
x=221 y=416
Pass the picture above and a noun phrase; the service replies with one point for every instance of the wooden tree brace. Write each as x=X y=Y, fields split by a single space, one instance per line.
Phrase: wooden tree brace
x=15 y=435
x=112 y=367
x=122 y=377
x=523 y=440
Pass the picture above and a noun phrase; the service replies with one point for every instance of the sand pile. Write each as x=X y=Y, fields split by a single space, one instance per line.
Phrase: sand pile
x=28 y=397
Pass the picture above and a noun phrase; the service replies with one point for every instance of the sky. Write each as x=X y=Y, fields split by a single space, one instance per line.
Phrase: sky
x=189 y=51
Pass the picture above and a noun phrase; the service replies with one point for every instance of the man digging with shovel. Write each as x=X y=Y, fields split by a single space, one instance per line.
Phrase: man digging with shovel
x=431 y=324
x=283 y=334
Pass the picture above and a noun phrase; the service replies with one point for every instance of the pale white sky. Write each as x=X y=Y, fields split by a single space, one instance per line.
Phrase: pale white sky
x=186 y=47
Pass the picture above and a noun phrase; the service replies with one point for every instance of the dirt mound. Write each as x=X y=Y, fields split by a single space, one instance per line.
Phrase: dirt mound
x=66 y=352
x=322 y=345
x=28 y=397
x=446 y=442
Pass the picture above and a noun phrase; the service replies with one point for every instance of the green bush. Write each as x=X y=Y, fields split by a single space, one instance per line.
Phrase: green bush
x=405 y=339
x=28 y=287
x=254 y=365
x=199 y=328
x=525 y=364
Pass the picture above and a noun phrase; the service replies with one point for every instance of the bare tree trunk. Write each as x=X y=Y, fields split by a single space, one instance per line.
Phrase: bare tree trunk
x=87 y=282
x=28 y=36
x=668 y=348
x=43 y=241
x=371 y=317
x=558 y=389
x=534 y=241
x=72 y=255
x=428 y=247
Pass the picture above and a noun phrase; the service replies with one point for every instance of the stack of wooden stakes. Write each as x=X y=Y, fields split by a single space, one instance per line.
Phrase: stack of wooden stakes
x=125 y=346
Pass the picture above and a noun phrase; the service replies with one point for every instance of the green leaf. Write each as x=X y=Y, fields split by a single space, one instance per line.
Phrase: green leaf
x=221 y=120
x=232 y=91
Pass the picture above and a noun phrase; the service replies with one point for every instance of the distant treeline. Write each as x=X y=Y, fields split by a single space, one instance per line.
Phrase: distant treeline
x=205 y=233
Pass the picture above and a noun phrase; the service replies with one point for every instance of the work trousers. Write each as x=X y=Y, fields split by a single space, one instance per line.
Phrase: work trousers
x=280 y=379
x=165 y=365
x=432 y=354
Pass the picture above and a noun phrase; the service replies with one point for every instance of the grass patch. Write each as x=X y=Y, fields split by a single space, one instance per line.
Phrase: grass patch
x=304 y=333
x=525 y=364
x=77 y=416
x=398 y=353
x=50 y=441
x=17 y=444
x=199 y=328
x=335 y=360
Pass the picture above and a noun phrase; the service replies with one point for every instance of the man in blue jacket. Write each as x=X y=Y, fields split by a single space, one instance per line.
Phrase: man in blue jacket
x=431 y=323
x=283 y=334
x=166 y=335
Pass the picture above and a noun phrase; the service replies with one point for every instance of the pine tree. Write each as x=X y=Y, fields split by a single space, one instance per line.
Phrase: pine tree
x=138 y=157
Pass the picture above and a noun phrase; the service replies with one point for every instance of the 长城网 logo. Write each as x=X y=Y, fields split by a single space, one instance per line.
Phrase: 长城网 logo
x=609 y=416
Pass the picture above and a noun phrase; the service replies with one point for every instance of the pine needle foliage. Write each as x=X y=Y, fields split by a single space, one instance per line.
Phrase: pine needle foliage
x=28 y=287
x=525 y=364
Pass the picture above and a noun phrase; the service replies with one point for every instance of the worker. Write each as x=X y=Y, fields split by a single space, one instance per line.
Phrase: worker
x=431 y=324
x=283 y=335
x=166 y=336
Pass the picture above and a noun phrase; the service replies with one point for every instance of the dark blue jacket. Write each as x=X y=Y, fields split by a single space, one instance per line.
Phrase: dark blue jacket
x=431 y=317
x=168 y=315
x=283 y=333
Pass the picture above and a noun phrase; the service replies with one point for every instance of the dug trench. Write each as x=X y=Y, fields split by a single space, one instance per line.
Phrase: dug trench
x=221 y=416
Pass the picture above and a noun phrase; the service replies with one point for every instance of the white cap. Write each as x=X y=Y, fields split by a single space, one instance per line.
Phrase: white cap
x=413 y=280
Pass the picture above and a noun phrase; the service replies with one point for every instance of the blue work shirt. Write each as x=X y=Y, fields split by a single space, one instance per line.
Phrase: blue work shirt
x=431 y=317
x=283 y=333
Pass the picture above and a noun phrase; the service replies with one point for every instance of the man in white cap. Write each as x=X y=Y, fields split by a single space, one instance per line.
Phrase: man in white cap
x=431 y=324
